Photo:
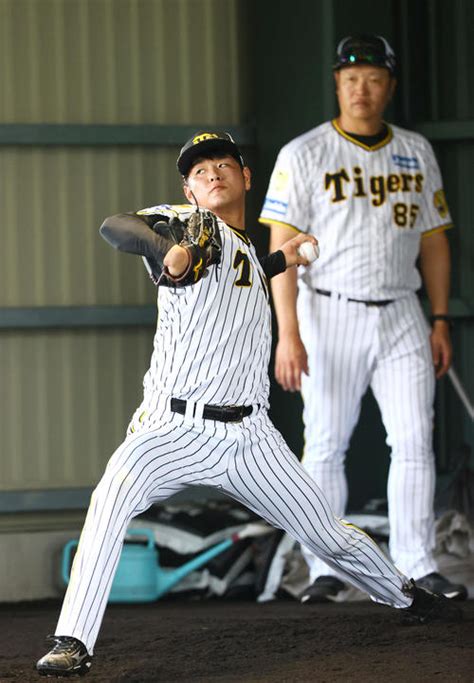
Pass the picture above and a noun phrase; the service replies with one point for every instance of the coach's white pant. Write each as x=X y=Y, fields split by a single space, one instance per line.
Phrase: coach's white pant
x=351 y=346
x=252 y=463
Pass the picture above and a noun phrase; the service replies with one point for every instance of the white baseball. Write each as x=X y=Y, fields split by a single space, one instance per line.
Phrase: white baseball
x=309 y=251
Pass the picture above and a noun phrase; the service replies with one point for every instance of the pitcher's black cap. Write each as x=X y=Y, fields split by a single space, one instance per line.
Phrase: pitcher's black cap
x=365 y=49
x=203 y=143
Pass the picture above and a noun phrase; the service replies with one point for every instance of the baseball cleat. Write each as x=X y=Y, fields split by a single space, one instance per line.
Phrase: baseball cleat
x=427 y=607
x=436 y=583
x=323 y=589
x=69 y=657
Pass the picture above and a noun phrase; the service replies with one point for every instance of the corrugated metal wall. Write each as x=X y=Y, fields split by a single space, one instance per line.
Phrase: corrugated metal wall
x=437 y=42
x=54 y=202
x=66 y=395
x=66 y=399
x=123 y=61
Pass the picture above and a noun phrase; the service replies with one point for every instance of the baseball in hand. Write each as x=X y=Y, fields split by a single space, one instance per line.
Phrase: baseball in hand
x=309 y=251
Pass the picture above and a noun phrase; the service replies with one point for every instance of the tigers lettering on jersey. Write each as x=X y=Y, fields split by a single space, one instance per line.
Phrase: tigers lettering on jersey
x=343 y=184
x=368 y=207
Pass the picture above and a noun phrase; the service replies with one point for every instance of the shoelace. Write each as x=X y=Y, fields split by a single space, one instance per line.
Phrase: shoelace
x=63 y=646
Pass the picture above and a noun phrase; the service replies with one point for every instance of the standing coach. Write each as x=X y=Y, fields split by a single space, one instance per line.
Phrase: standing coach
x=373 y=193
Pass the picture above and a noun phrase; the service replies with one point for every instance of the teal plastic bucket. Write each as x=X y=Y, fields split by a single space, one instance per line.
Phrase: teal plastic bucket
x=139 y=577
x=135 y=578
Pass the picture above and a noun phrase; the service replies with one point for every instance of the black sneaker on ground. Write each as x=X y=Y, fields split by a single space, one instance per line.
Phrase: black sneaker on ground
x=323 y=589
x=68 y=657
x=436 y=583
x=428 y=606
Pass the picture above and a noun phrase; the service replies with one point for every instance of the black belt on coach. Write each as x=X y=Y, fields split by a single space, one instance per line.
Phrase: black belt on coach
x=219 y=413
x=381 y=302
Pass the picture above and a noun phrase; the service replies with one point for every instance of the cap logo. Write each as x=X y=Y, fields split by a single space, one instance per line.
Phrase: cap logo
x=204 y=136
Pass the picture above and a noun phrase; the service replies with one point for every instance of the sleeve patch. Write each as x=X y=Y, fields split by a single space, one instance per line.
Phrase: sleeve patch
x=279 y=180
x=440 y=203
x=275 y=206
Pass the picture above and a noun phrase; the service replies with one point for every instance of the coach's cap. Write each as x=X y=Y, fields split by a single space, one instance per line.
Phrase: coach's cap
x=204 y=143
x=365 y=49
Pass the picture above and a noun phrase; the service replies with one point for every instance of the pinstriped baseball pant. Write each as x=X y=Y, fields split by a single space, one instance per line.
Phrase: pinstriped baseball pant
x=350 y=347
x=249 y=461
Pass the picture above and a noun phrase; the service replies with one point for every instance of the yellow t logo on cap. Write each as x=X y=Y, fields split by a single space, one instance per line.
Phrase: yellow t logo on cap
x=204 y=136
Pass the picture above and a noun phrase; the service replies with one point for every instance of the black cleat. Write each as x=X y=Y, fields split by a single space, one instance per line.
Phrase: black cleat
x=323 y=589
x=427 y=607
x=68 y=657
x=436 y=583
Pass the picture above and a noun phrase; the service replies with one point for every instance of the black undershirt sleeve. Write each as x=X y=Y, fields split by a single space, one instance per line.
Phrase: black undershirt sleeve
x=273 y=264
x=130 y=233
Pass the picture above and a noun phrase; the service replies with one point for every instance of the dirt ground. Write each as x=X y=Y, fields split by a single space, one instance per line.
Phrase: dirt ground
x=207 y=641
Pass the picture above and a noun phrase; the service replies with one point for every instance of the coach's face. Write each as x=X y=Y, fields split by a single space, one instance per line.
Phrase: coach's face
x=217 y=184
x=363 y=92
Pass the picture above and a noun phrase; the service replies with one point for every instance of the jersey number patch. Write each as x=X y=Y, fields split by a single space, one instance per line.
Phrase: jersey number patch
x=242 y=264
x=405 y=215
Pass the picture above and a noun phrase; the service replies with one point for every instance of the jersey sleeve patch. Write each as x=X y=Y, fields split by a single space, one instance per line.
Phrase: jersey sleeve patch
x=440 y=203
x=277 y=198
x=279 y=181
x=276 y=201
x=275 y=206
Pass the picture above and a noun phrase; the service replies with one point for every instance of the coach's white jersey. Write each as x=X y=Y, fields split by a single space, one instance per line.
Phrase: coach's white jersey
x=213 y=339
x=368 y=207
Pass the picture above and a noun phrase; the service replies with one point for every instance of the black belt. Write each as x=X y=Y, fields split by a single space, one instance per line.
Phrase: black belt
x=219 y=413
x=381 y=302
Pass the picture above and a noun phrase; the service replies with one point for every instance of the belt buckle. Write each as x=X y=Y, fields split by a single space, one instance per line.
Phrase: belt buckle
x=239 y=413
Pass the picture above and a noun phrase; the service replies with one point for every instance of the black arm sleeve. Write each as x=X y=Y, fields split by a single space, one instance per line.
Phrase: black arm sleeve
x=130 y=233
x=273 y=264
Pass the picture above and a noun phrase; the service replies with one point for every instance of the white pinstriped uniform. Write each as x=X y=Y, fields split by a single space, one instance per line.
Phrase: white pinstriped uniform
x=212 y=345
x=369 y=207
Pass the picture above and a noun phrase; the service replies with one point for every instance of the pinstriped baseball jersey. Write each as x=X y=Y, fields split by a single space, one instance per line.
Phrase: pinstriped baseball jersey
x=231 y=306
x=368 y=207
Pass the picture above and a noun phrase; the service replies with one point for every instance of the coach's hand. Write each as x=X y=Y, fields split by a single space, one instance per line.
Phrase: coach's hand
x=441 y=348
x=291 y=360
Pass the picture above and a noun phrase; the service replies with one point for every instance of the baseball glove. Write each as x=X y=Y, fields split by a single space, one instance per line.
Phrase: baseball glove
x=199 y=235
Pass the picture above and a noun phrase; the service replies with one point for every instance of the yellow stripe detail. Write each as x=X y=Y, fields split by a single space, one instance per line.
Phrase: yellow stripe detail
x=353 y=526
x=243 y=236
x=440 y=228
x=268 y=221
x=197 y=269
x=380 y=144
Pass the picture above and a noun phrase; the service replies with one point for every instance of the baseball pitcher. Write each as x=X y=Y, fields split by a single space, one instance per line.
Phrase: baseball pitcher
x=203 y=420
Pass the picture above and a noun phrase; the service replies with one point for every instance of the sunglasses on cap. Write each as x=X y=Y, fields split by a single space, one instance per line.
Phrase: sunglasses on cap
x=372 y=50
